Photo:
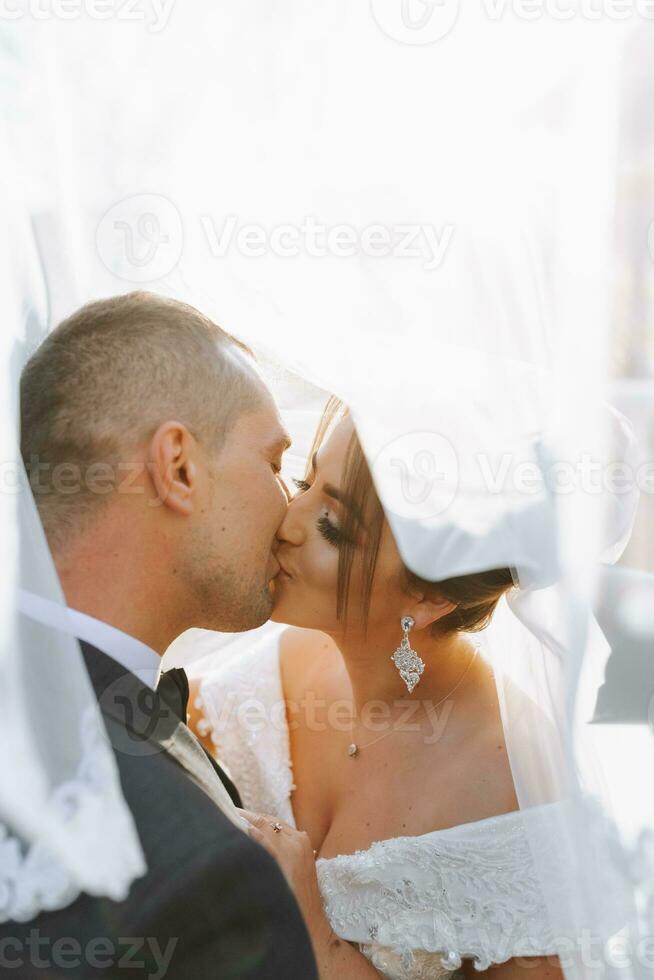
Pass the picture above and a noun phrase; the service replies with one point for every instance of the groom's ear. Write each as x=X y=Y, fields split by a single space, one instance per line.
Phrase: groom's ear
x=172 y=467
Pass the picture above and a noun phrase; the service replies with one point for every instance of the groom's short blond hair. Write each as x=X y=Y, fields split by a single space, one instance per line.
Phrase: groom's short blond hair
x=102 y=383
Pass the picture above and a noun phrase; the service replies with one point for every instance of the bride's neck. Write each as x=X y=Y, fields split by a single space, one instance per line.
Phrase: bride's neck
x=375 y=678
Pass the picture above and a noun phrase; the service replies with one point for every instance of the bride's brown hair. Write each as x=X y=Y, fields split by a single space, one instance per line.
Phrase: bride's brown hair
x=476 y=595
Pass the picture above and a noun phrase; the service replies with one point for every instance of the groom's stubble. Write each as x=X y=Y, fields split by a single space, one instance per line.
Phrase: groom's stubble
x=226 y=554
x=228 y=597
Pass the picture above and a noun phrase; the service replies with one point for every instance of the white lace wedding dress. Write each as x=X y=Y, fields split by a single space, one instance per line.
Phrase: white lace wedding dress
x=415 y=905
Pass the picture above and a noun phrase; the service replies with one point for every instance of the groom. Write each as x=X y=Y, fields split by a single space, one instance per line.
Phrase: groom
x=154 y=449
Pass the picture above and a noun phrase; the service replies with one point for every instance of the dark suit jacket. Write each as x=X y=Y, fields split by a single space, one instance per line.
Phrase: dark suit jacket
x=213 y=903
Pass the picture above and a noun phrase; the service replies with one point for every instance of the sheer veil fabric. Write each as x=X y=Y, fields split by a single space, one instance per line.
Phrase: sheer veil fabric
x=478 y=386
x=64 y=824
x=436 y=217
x=460 y=413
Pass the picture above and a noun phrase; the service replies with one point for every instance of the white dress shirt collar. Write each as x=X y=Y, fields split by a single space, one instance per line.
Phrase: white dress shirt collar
x=130 y=653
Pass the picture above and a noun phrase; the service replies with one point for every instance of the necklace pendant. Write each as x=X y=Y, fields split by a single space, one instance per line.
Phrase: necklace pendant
x=353 y=750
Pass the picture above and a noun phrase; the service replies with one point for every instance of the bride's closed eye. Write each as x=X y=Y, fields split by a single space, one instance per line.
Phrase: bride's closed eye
x=327 y=528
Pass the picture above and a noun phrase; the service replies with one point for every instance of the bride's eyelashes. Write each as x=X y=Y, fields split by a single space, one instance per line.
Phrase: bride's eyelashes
x=329 y=531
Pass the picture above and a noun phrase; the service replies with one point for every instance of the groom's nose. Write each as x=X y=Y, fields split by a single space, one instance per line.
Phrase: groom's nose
x=291 y=528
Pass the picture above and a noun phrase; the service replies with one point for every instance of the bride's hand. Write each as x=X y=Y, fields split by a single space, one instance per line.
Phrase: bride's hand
x=293 y=852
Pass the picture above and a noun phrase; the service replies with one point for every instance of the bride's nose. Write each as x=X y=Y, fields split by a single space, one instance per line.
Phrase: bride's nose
x=292 y=528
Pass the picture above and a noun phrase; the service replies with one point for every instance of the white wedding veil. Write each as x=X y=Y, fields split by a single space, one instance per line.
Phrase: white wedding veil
x=473 y=354
x=418 y=216
x=476 y=471
x=65 y=827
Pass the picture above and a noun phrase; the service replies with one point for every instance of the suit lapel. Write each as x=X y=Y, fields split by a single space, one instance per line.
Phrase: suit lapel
x=185 y=748
x=147 y=724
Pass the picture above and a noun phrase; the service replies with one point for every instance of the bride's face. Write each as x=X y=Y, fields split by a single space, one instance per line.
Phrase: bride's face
x=309 y=539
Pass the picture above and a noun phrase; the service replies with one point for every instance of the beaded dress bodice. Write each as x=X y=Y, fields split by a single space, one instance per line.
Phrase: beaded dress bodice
x=414 y=905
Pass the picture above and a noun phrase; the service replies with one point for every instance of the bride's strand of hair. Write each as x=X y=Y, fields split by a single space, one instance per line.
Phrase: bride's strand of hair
x=433 y=706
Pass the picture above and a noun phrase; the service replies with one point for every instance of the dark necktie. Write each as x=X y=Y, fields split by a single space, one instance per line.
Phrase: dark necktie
x=173 y=689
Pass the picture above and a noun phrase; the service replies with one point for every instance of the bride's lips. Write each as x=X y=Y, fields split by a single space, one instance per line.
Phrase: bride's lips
x=283 y=571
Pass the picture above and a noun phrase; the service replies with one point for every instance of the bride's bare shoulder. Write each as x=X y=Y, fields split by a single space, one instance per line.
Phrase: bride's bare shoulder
x=308 y=658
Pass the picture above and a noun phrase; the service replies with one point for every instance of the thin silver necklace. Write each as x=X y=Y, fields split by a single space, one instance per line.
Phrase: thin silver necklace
x=354 y=749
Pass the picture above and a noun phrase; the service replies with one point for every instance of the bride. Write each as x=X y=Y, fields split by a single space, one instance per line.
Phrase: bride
x=390 y=768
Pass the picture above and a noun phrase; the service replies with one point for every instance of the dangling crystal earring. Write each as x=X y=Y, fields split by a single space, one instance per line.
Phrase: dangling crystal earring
x=407 y=660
